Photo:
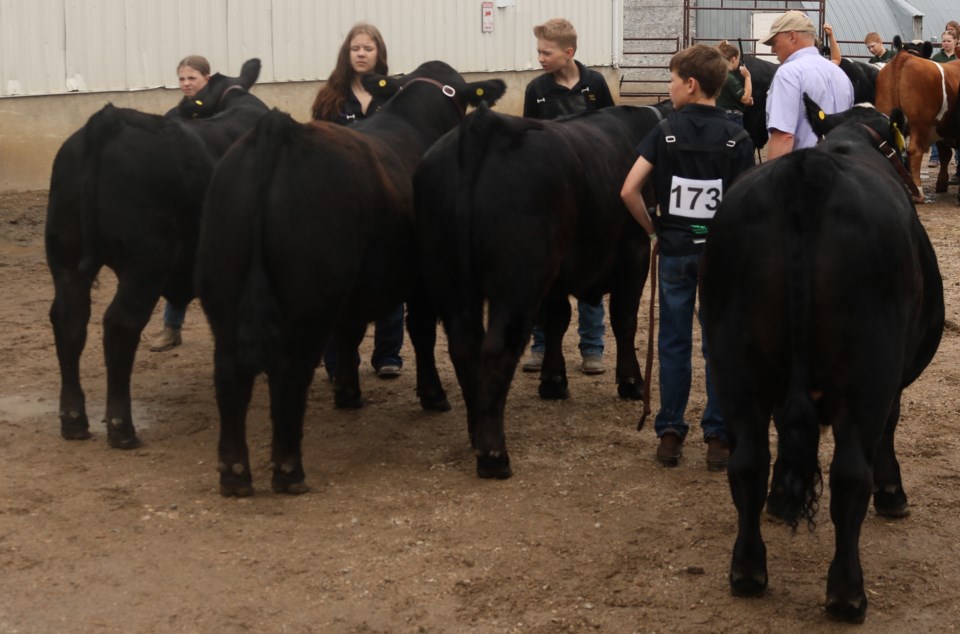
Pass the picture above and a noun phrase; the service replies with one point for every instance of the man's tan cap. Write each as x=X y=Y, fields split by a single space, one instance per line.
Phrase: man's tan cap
x=789 y=21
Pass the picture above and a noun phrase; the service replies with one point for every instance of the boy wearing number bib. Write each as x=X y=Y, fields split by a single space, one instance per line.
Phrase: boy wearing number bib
x=694 y=156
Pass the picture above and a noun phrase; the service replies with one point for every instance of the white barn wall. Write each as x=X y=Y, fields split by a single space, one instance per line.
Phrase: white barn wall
x=62 y=60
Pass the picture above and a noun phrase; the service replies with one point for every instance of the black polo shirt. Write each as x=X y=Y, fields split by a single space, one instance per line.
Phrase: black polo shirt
x=352 y=110
x=546 y=99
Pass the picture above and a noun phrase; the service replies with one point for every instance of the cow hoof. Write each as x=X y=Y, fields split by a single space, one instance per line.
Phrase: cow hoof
x=74 y=426
x=630 y=389
x=554 y=389
x=347 y=400
x=435 y=403
x=290 y=488
x=235 y=489
x=849 y=611
x=494 y=465
x=121 y=434
x=742 y=585
x=892 y=505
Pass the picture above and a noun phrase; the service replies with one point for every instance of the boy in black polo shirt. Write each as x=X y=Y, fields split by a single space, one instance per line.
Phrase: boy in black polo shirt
x=566 y=87
x=694 y=155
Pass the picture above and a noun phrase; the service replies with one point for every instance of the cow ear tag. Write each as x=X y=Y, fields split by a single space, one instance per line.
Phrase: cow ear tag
x=479 y=92
x=383 y=82
x=821 y=115
x=898 y=137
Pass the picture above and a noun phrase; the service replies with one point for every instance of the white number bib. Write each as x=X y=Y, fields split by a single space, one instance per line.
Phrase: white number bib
x=692 y=198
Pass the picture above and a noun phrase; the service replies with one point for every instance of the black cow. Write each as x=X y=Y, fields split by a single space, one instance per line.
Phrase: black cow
x=863 y=76
x=821 y=301
x=126 y=192
x=520 y=214
x=755 y=116
x=308 y=231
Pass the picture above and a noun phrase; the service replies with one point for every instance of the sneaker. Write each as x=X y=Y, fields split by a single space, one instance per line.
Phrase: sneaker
x=389 y=371
x=533 y=362
x=593 y=364
x=169 y=338
x=933 y=164
x=718 y=453
x=670 y=449
x=954 y=179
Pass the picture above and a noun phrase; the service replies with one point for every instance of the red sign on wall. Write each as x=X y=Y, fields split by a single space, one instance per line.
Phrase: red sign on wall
x=486 y=17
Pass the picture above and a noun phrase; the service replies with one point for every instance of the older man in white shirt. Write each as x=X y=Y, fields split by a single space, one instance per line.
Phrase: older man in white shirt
x=802 y=70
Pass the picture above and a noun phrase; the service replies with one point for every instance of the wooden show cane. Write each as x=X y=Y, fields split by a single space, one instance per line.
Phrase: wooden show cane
x=654 y=252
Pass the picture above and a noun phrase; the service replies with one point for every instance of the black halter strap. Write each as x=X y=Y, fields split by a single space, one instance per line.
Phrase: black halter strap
x=894 y=158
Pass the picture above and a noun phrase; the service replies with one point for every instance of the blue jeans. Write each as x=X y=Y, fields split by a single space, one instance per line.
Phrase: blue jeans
x=173 y=317
x=387 y=341
x=590 y=329
x=678 y=294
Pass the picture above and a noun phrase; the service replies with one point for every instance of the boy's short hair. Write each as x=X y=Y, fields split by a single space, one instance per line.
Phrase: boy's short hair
x=705 y=64
x=872 y=37
x=558 y=31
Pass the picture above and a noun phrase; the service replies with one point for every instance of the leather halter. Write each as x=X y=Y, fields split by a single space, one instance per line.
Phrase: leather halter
x=892 y=156
x=446 y=89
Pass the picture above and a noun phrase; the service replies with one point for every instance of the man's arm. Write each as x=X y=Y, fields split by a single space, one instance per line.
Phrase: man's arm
x=780 y=143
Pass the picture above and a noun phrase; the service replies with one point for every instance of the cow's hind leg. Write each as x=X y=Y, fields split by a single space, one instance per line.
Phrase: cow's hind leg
x=233 y=386
x=508 y=329
x=747 y=473
x=464 y=328
x=346 y=381
x=889 y=498
x=69 y=315
x=123 y=323
x=553 y=372
x=851 y=483
x=623 y=321
x=422 y=325
x=290 y=380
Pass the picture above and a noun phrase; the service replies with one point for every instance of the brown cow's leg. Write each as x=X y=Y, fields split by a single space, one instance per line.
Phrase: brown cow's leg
x=915 y=158
x=943 y=175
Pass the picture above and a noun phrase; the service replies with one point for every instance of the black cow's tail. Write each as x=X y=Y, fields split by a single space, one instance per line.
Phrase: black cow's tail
x=100 y=129
x=475 y=133
x=259 y=330
x=800 y=484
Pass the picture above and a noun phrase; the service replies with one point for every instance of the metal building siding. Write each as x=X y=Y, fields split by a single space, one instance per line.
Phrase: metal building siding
x=58 y=46
x=31 y=47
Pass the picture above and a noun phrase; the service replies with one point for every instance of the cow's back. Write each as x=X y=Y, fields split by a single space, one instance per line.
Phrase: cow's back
x=857 y=258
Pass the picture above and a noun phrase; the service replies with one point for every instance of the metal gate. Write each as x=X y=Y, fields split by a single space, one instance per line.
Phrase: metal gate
x=646 y=59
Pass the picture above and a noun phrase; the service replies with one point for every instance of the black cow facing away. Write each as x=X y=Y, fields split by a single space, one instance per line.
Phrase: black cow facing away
x=822 y=301
x=520 y=214
x=126 y=193
x=307 y=232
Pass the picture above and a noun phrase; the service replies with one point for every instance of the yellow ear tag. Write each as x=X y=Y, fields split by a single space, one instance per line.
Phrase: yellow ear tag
x=198 y=102
x=383 y=82
x=898 y=138
x=479 y=92
x=821 y=115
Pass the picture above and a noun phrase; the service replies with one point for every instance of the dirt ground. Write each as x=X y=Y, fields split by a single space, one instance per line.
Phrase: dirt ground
x=397 y=533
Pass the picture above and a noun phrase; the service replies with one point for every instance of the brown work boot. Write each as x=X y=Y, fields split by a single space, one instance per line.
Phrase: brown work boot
x=670 y=449
x=169 y=338
x=718 y=453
